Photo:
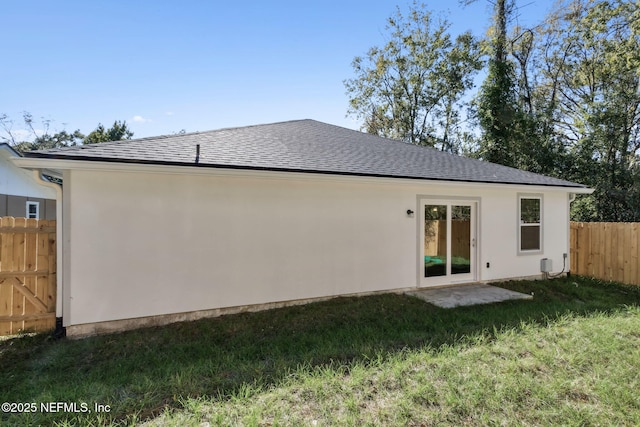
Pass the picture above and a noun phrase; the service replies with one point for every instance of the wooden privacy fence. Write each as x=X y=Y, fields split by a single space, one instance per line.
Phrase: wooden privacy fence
x=435 y=242
x=606 y=250
x=27 y=275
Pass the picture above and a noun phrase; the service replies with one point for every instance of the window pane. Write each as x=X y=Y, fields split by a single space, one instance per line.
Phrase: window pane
x=530 y=237
x=32 y=209
x=460 y=239
x=530 y=211
x=435 y=240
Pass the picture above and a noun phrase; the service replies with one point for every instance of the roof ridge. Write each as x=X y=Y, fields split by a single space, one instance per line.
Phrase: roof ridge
x=161 y=137
x=200 y=132
x=382 y=138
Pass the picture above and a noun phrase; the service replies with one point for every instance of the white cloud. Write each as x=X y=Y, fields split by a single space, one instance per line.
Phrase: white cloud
x=19 y=135
x=25 y=135
x=169 y=113
x=140 y=119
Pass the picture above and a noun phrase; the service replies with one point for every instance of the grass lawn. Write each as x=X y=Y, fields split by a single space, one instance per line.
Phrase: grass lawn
x=570 y=356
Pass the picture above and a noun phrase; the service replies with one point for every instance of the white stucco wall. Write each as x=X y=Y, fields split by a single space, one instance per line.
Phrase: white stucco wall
x=15 y=181
x=499 y=224
x=142 y=244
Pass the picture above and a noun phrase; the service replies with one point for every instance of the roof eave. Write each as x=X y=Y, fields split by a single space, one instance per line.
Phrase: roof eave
x=56 y=164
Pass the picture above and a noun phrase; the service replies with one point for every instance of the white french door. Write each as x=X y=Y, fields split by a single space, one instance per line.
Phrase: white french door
x=447 y=242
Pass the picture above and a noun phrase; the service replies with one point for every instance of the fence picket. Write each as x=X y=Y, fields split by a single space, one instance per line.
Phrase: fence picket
x=606 y=251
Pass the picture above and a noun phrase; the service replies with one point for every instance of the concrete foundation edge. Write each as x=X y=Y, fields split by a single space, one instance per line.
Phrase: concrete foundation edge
x=114 y=326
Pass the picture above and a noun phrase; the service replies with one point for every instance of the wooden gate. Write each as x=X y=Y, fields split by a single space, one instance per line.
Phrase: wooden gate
x=27 y=275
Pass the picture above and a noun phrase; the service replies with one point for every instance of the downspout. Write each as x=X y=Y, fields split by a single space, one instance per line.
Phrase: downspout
x=572 y=198
x=60 y=330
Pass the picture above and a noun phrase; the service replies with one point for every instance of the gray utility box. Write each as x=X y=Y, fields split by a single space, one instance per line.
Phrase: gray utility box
x=545 y=265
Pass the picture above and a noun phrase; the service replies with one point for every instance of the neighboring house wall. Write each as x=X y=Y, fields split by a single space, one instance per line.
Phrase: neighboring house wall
x=18 y=186
x=145 y=243
x=17 y=206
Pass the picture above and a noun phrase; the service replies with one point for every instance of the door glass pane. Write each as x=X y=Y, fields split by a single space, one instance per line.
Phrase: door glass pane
x=460 y=239
x=435 y=240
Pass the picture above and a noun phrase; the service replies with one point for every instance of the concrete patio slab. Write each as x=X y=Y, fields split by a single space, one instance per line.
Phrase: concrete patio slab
x=463 y=295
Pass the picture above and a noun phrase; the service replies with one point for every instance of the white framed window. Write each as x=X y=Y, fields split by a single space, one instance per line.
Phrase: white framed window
x=33 y=210
x=529 y=223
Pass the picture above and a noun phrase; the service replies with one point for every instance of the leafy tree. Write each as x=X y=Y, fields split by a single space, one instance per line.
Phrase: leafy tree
x=117 y=132
x=497 y=109
x=56 y=140
x=42 y=139
x=411 y=88
x=514 y=115
x=592 y=63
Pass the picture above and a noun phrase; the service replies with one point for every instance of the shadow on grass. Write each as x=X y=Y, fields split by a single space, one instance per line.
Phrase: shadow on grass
x=141 y=372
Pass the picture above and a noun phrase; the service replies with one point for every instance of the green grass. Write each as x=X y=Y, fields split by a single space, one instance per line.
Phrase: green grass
x=568 y=357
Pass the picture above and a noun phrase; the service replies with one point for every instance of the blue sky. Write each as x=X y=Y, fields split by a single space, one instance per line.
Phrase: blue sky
x=167 y=65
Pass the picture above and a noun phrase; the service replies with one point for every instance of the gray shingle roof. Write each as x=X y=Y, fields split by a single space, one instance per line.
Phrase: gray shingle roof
x=302 y=146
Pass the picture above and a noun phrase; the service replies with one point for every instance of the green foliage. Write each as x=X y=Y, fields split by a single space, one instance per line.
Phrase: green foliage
x=411 y=88
x=513 y=119
x=40 y=138
x=46 y=141
x=117 y=132
x=562 y=99
x=496 y=102
x=592 y=60
x=497 y=115
x=583 y=209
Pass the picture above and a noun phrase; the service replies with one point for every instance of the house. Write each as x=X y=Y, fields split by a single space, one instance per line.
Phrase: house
x=184 y=226
x=22 y=194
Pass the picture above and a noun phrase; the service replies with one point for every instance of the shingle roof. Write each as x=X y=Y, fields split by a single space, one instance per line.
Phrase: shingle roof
x=302 y=146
